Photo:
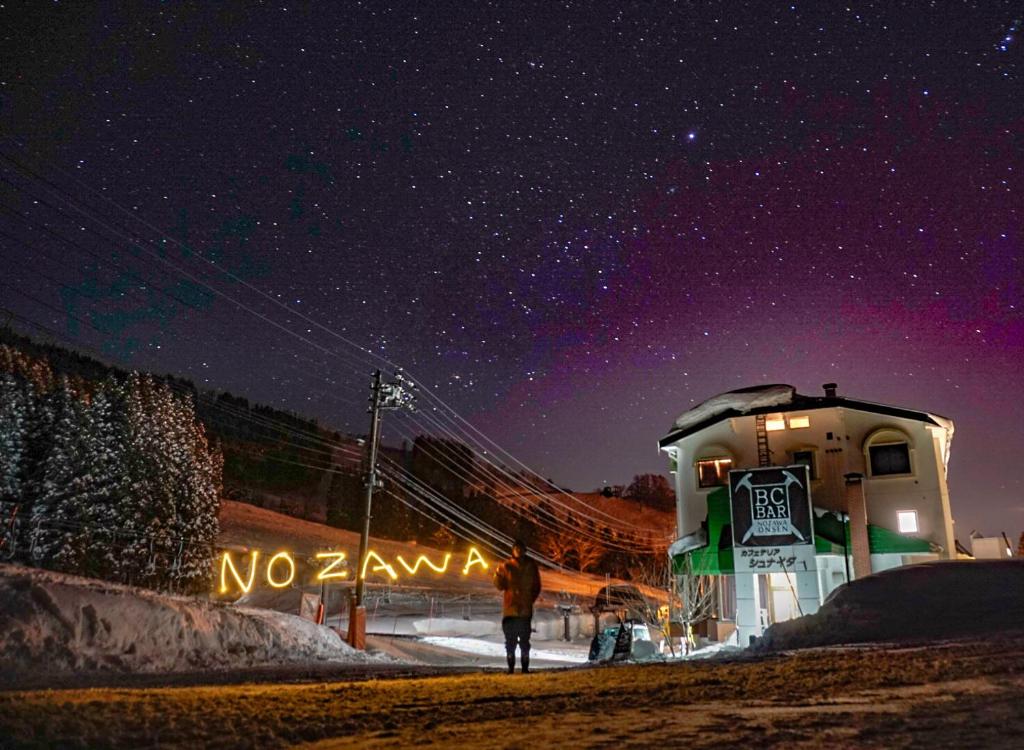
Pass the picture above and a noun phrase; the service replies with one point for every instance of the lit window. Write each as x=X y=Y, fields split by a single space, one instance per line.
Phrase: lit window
x=889 y=459
x=907 y=521
x=774 y=423
x=795 y=423
x=713 y=472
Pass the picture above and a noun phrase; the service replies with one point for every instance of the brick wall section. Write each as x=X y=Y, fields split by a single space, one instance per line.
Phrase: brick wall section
x=856 y=507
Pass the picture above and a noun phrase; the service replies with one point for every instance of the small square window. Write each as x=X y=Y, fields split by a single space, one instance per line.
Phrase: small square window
x=807 y=459
x=773 y=424
x=907 y=521
x=713 y=472
x=795 y=423
x=893 y=458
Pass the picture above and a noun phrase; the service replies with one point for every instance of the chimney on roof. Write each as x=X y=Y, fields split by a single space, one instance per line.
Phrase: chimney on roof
x=830 y=390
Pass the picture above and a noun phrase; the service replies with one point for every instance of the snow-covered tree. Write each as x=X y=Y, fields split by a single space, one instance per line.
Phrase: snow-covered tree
x=148 y=512
x=59 y=513
x=15 y=415
x=114 y=480
x=108 y=451
x=173 y=490
x=196 y=525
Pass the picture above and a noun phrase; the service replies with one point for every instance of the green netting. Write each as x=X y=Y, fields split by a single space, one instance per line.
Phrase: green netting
x=717 y=557
x=880 y=540
x=823 y=546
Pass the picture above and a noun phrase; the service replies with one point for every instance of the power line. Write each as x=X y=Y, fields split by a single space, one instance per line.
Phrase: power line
x=456 y=418
x=446 y=410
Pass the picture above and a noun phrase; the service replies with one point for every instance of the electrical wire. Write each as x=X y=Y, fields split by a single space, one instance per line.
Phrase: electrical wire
x=323 y=349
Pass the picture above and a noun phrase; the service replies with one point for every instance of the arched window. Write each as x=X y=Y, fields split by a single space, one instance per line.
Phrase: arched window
x=889 y=453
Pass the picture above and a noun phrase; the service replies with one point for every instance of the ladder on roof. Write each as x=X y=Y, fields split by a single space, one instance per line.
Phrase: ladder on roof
x=764 y=454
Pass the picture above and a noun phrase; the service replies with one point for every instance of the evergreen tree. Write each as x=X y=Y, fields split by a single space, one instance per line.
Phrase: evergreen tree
x=148 y=512
x=173 y=482
x=198 y=502
x=115 y=480
x=15 y=413
x=59 y=515
x=107 y=451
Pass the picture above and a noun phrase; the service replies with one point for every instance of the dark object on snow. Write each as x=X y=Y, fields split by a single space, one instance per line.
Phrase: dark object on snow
x=623 y=642
x=596 y=644
x=612 y=644
x=626 y=641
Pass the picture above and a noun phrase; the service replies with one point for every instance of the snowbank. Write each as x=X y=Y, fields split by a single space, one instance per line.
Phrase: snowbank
x=928 y=601
x=60 y=623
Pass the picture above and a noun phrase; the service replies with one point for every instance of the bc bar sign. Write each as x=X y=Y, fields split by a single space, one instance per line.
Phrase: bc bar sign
x=772 y=522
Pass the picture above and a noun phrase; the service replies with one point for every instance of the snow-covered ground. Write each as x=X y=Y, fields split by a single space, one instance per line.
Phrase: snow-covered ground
x=566 y=654
x=964 y=695
x=65 y=624
x=58 y=624
x=463 y=610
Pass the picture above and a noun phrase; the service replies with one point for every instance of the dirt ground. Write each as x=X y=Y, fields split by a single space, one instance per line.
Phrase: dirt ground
x=950 y=695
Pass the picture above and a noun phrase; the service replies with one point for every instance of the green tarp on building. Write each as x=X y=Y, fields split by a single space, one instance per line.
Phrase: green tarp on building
x=717 y=557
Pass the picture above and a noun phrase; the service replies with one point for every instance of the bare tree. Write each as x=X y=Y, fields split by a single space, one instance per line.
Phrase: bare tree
x=557 y=547
x=697 y=599
x=572 y=550
x=588 y=553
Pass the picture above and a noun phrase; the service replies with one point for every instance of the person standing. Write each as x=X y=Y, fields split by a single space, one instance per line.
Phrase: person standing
x=519 y=579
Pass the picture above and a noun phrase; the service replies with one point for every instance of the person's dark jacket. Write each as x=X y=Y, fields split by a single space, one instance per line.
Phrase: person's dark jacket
x=520 y=580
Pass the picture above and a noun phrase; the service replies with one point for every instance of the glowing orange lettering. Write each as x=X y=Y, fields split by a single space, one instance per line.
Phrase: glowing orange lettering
x=424 y=560
x=381 y=565
x=270 y=570
x=226 y=562
x=473 y=558
x=325 y=574
x=334 y=566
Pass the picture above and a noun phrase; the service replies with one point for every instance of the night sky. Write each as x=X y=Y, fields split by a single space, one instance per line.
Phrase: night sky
x=575 y=220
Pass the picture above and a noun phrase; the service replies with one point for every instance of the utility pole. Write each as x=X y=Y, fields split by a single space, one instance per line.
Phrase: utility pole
x=371 y=480
x=394 y=395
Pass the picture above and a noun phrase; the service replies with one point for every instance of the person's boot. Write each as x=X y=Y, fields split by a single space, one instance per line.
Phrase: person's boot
x=526 y=665
x=511 y=663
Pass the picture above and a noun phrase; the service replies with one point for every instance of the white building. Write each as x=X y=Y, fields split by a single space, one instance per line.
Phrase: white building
x=877 y=470
x=990 y=548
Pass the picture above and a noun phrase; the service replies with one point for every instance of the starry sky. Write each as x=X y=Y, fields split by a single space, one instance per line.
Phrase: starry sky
x=573 y=220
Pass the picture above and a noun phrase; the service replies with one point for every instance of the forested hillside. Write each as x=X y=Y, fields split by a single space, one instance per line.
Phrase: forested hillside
x=111 y=478
x=272 y=458
x=433 y=490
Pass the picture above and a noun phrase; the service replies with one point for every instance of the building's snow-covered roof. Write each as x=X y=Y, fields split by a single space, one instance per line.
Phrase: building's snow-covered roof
x=741 y=401
x=765 y=399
